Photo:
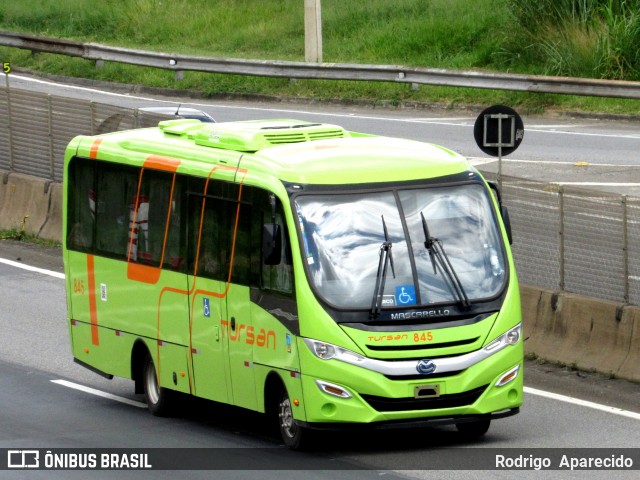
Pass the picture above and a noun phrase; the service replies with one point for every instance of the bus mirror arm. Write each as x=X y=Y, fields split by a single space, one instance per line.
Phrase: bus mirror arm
x=503 y=210
x=507 y=222
x=271 y=244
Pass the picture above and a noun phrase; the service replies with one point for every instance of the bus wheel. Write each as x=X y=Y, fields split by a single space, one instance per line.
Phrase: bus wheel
x=472 y=430
x=159 y=399
x=293 y=435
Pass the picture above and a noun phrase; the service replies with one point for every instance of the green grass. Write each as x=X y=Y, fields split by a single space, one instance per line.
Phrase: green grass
x=14 y=234
x=590 y=38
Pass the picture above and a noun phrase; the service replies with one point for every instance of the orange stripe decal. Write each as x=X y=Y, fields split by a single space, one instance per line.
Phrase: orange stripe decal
x=93 y=153
x=158 y=162
x=93 y=310
x=143 y=273
x=168 y=220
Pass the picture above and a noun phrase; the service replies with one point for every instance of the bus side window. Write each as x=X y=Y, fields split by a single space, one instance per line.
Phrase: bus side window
x=174 y=255
x=211 y=233
x=149 y=212
x=208 y=241
x=82 y=205
x=116 y=189
x=278 y=277
x=242 y=255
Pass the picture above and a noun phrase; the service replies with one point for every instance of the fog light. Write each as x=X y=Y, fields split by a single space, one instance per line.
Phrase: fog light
x=508 y=377
x=332 y=389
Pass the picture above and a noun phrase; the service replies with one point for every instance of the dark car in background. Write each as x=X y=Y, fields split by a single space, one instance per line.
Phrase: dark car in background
x=182 y=112
x=149 y=117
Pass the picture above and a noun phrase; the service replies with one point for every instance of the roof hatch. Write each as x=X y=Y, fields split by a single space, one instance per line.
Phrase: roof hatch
x=254 y=135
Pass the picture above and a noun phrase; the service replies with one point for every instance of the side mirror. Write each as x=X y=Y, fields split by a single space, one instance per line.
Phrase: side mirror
x=503 y=211
x=271 y=244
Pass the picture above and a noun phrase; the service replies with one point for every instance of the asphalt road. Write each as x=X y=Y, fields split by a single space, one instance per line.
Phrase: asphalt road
x=37 y=413
x=593 y=152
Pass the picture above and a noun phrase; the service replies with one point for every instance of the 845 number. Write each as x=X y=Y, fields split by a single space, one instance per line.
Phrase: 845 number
x=422 y=337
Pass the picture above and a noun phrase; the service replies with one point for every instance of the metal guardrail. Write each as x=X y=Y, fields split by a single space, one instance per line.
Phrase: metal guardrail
x=326 y=71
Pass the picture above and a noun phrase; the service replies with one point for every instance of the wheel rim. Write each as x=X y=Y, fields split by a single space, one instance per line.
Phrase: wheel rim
x=287 y=425
x=151 y=384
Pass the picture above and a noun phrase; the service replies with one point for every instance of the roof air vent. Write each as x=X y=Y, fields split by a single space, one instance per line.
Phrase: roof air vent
x=255 y=135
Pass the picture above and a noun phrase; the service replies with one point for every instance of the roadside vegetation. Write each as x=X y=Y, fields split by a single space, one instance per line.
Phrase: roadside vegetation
x=582 y=38
x=21 y=236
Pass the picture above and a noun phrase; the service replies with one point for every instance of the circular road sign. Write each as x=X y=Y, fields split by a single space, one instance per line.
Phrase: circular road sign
x=498 y=130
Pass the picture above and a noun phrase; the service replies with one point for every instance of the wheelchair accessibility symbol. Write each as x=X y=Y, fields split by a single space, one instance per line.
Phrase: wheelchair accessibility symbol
x=406 y=295
x=206 y=307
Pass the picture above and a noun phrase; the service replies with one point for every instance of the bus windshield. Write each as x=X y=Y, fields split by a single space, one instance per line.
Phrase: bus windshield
x=344 y=235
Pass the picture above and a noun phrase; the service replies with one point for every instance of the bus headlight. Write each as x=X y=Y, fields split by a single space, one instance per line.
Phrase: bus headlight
x=510 y=338
x=513 y=335
x=327 y=351
x=322 y=350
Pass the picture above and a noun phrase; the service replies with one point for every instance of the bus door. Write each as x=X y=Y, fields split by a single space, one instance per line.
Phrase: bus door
x=238 y=325
x=208 y=341
x=222 y=335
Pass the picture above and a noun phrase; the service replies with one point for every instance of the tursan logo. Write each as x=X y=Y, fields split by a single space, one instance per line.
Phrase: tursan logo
x=438 y=312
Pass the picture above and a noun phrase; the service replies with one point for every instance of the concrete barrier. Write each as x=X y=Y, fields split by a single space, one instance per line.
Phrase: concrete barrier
x=31 y=197
x=630 y=368
x=52 y=228
x=587 y=333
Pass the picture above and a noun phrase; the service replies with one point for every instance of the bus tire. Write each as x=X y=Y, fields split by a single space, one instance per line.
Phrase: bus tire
x=159 y=399
x=293 y=435
x=471 y=430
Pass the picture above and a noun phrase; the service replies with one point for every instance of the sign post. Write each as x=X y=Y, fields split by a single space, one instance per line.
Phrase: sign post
x=313 y=31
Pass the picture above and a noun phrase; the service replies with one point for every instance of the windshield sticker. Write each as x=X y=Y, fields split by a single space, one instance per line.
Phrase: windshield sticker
x=405 y=295
x=388 y=301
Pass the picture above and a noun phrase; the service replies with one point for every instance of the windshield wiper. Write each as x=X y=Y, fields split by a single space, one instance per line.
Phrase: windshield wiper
x=386 y=259
x=439 y=256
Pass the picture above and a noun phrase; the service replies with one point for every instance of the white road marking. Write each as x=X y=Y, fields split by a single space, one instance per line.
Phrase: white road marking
x=86 y=89
x=597 y=184
x=570 y=163
x=475 y=161
x=51 y=273
x=582 y=403
x=99 y=393
x=552 y=127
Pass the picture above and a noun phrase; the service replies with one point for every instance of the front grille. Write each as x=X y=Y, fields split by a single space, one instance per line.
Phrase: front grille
x=424 y=346
x=429 y=377
x=385 y=404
